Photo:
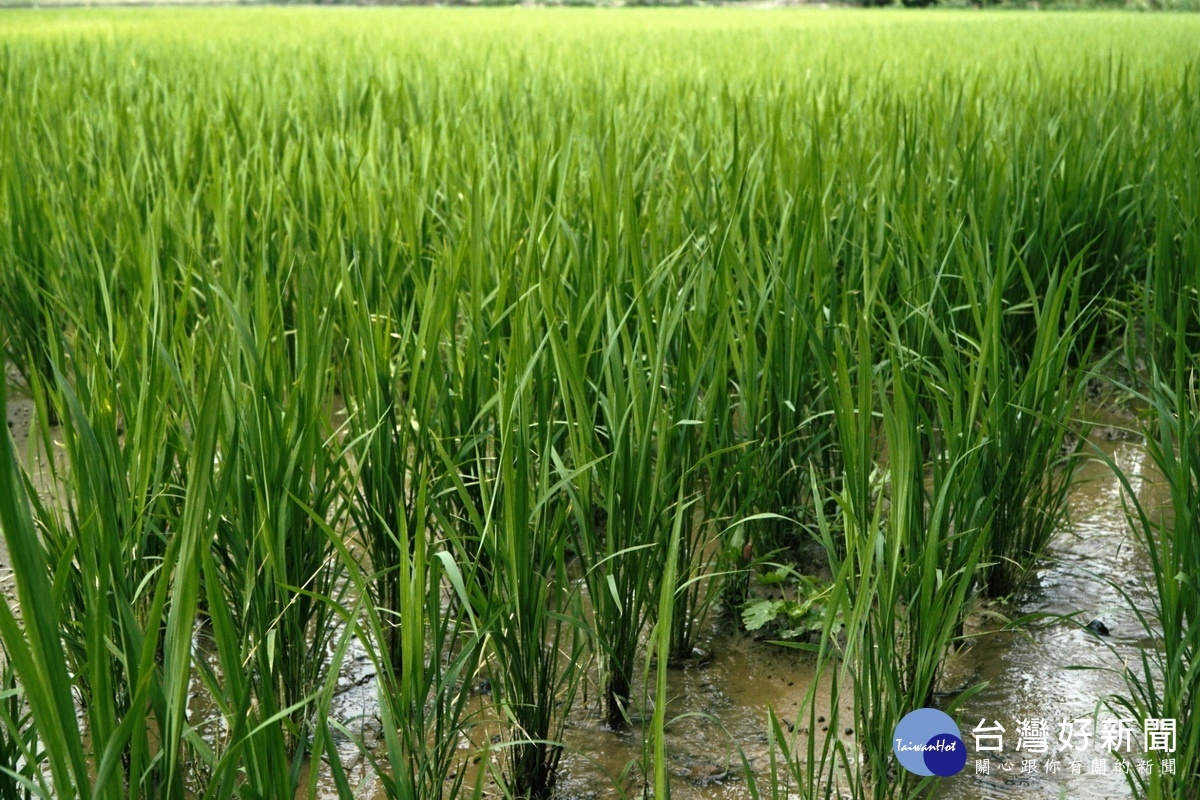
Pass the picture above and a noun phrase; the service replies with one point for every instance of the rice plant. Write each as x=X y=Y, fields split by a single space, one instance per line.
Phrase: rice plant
x=19 y=747
x=34 y=645
x=517 y=582
x=277 y=564
x=1163 y=685
x=904 y=572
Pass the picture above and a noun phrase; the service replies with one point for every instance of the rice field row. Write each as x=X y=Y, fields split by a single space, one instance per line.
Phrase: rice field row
x=509 y=347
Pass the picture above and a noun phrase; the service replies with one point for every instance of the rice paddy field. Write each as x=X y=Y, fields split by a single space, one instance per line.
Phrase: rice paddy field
x=533 y=403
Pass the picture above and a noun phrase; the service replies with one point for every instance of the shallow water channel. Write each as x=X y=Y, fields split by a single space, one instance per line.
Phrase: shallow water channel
x=1032 y=675
x=719 y=706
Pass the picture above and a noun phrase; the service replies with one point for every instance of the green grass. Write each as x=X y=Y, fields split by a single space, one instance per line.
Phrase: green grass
x=506 y=342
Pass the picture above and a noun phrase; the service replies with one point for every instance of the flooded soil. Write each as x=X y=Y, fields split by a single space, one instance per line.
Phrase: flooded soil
x=1051 y=711
x=717 y=717
x=716 y=723
x=1052 y=673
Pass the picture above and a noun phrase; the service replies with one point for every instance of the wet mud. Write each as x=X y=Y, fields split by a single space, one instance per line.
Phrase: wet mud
x=1054 y=670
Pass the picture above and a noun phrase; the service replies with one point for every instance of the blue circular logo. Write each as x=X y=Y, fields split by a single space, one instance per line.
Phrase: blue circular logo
x=928 y=742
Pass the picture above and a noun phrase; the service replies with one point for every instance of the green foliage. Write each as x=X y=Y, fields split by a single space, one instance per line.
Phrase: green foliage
x=503 y=354
x=794 y=619
x=1164 y=684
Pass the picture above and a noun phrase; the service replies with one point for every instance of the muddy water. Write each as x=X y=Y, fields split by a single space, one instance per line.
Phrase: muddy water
x=1031 y=675
x=716 y=723
x=719 y=707
x=717 y=716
